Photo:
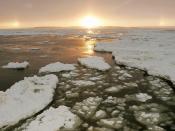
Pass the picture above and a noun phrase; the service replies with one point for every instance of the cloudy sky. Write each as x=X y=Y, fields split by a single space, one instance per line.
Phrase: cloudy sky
x=27 y=13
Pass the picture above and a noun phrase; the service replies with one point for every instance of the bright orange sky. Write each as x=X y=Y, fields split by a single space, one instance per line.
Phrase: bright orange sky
x=32 y=13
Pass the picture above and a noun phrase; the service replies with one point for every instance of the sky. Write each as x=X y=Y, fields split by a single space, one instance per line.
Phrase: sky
x=39 y=13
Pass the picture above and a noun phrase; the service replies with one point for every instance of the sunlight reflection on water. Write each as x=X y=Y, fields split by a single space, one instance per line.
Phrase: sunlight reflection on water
x=89 y=46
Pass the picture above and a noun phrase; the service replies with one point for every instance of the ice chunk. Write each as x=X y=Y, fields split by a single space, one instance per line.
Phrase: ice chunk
x=143 y=97
x=25 y=98
x=57 y=67
x=55 y=119
x=100 y=114
x=16 y=65
x=147 y=118
x=113 y=89
x=115 y=123
x=87 y=107
x=94 y=62
x=83 y=83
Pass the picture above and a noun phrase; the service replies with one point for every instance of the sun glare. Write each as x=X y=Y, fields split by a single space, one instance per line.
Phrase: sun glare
x=15 y=24
x=90 y=22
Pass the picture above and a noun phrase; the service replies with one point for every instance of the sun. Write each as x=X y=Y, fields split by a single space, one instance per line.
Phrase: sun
x=90 y=22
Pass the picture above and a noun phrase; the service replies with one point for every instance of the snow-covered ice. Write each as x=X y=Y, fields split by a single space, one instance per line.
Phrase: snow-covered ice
x=151 y=50
x=16 y=65
x=55 y=119
x=94 y=62
x=25 y=98
x=56 y=67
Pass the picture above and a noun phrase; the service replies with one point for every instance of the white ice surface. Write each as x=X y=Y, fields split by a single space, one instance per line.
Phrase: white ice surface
x=56 y=67
x=16 y=65
x=94 y=62
x=150 y=50
x=25 y=98
x=54 y=119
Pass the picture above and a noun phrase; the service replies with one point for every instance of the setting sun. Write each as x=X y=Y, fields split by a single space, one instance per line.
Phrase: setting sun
x=90 y=22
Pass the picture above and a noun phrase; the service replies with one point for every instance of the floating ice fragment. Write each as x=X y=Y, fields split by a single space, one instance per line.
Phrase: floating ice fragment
x=94 y=62
x=16 y=65
x=56 y=67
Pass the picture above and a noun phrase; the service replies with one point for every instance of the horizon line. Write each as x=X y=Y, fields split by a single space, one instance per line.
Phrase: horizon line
x=90 y=28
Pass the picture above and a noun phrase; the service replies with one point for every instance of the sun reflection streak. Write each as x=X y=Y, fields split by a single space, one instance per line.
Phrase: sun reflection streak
x=89 y=46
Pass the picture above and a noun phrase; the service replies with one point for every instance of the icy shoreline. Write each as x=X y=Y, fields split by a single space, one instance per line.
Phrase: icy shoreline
x=152 y=51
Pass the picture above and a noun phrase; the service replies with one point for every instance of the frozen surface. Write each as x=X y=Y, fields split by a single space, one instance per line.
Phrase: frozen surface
x=94 y=62
x=16 y=65
x=56 y=67
x=55 y=119
x=151 y=50
x=25 y=98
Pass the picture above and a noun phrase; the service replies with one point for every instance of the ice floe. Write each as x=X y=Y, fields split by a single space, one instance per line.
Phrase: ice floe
x=100 y=114
x=54 y=119
x=94 y=62
x=151 y=50
x=16 y=65
x=25 y=98
x=56 y=67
